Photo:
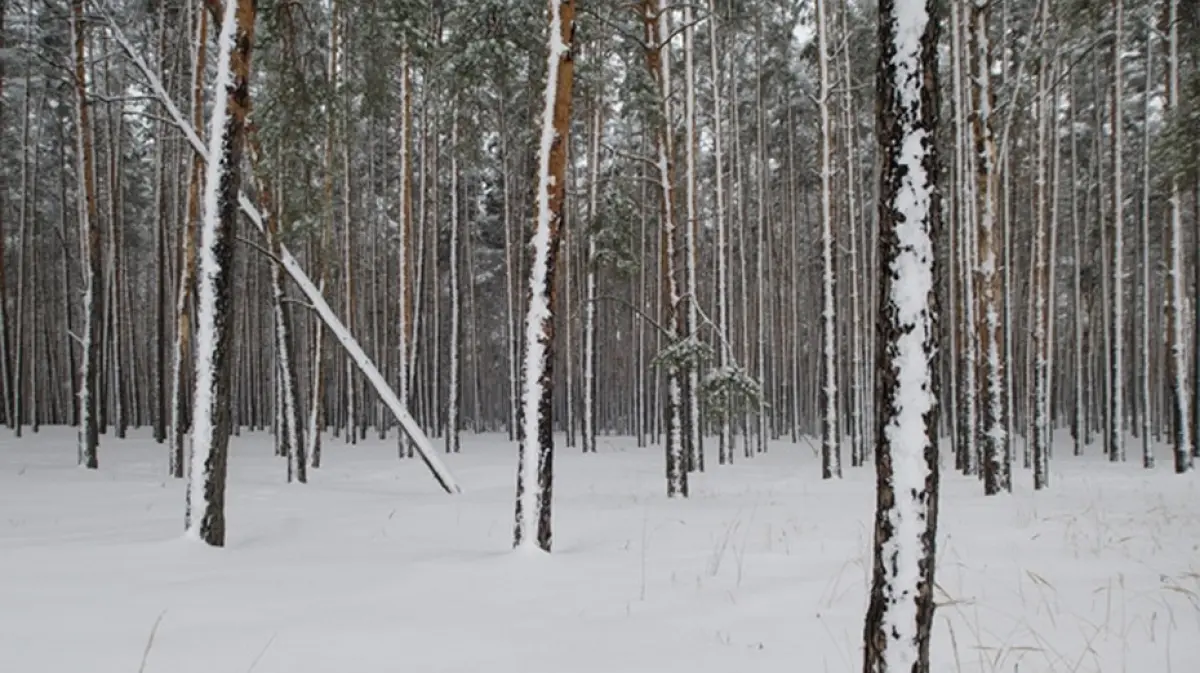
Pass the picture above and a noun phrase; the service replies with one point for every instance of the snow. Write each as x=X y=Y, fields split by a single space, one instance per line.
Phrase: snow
x=765 y=568
x=207 y=339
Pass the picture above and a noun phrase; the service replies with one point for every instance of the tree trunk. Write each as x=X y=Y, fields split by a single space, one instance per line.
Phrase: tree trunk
x=535 y=468
x=1176 y=299
x=90 y=230
x=211 y=420
x=900 y=613
x=996 y=468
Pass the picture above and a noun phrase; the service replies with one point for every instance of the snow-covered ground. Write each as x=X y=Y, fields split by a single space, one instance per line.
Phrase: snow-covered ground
x=371 y=568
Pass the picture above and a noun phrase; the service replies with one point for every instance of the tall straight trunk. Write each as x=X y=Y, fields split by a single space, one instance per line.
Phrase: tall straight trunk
x=454 y=389
x=691 y=388
x=348 y=276
x=28 y=194
x=1078 y=417
x=1042 y=292
x=721 y=253
x=316 y=414
x=658 y=63
x=760 y=239
x=996 y=469
x=89 y=220
x=589 y=302
x=291 y=431
x=857 y=360
x=161 y=387
x=7 y=398
x=1176 y=299
x=900 y=613
x=1116 y=413
x=511 y=250
x=404 y=270
x=187 y=267
x=1144 y=368
x=967 y=394
x=535 y=458
x=215 y=348
x=831 y=464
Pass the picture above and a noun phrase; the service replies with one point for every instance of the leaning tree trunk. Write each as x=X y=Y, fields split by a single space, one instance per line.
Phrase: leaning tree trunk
x=291 y=432
x=211 y=418
x=900 y=614
x=535 y=467
x=90 y=228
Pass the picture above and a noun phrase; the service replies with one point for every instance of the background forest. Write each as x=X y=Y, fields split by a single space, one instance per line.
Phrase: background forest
x=399 y=141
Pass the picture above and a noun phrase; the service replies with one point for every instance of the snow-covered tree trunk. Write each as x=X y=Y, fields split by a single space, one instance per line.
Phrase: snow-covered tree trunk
x=348 y=286
x=1052 y=262
x=900 y=613
x=289 y=417
x=589 y=304
x=323 y=247
x=831 y=464
x=1042 y=291
x=211 y=420
x=181 y=347
x=453 y=401
x=658 y=63
x=1116 y=414
x=694 y=451
x=725 y=440
x=996 y=469
x=510 y=283
x=535 y=467
x=1144 y=368
x=859 y=373
x=1176 y=297
x=1079 y=417
x=89 y=219
x=967 y=392
x=404 y=273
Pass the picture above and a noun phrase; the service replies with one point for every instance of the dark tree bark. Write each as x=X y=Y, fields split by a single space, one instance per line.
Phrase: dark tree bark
x=90 y=229
x=212 y=420
x=900 y=614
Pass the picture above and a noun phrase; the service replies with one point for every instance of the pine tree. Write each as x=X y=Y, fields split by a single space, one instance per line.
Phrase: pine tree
x=215 y=349
x=900 y=614
x=535 y=468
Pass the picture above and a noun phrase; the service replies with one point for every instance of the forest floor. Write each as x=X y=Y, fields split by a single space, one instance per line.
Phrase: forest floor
x=369 y=568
